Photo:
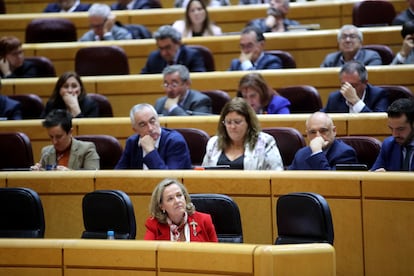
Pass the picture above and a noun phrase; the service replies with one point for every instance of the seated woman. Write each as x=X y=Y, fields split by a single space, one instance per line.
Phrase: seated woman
x=174 y=218
x=69 y=93
x=197 y=21
x=210 y=3
x=65 y=153
x=263 y=99
x=240 y=143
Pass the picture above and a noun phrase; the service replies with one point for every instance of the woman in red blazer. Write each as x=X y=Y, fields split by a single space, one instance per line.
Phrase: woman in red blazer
x=173 y=216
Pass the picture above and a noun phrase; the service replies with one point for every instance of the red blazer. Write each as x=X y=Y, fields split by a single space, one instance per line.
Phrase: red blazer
x=205 y=231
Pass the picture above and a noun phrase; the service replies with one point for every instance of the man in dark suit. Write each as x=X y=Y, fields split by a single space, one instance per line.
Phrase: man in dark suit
x=252 y=56
x=324 y=150
x=397 y=150
x=135 y=5
x=171 y=51
x=153 y=147
x=405 y=15
x=9 y=108
x=356 y=95
x=350 y=48
x=180 y=99
x=67 y=6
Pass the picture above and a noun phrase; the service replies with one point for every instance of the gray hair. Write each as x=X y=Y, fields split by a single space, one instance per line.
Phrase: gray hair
x=167 y=31
x=350 y=27
x=139 y=107
x=355 y=66
x=101 y=10
x=181 y=69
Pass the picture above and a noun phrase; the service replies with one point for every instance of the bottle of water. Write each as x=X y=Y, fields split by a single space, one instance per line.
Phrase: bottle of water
x=110 y=235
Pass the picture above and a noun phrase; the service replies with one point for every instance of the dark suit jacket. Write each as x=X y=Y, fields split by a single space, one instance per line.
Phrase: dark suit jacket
x=195 y=103
x=139 y=4
x=390 y=156
x=10 y=108
x=54 y=7
x=376 y=100
x=188 y=57
x=89 y=108
x=27 y=70
x=267 y=62
x=366 y=56
x=403 y=17
x=261 y=25
x=205 y=231
x=172 y=153
x=338 y=153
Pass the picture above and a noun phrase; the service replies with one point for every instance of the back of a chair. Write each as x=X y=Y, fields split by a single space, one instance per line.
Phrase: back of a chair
x=289 y=140
x=101 y=60
x=303 y=218
x=218 y=99
x=287 y=59
x=15 y=151
x=108 y=148
x=303 y=98
x=367 y=148
x=21 y=214
x=2 y=7
x=196 y=141
x=105 y=210
x=207 y=56
x=104 y=105
x=384 y=51
x=31 y=105
x=43 y=30
x=224 y=213
x=44 y=66
x=373 y=13
x=397 y=92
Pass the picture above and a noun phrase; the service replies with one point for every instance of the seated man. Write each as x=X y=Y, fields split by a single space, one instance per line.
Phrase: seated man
x=324 y=150
x=65 y=153
x=405 y=15
x=356 y=94
x=103 y=27
x=180 y=99
x=406 y=54
x=252 y=56
x=67 y=6
x=153 y=147
x=350 y=48
x=135 y=4
x=276 y=19
x=397 y=150
x=171 y=51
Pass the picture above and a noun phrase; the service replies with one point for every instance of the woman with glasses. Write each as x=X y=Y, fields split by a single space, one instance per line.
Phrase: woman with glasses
x=240 y=143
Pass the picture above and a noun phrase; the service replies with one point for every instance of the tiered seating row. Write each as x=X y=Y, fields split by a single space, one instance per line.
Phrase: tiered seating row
x=372 y=212
x=92 y=257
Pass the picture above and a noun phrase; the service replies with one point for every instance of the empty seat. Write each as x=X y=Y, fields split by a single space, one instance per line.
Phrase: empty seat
x=218 y=98
x=383 y=50
x=303 y=218
x=31 y=105
x=105 y=210
x=287 y=59
x=289 y=140
x=396 y=92
x=224 y=213
x=105 y=107
x=366 y=148
x=101 y=60
x=43 y=30
x=108 y=148
x=44 y=66
x=373 y=13
x=21 y=214
x=207 y=56
x=197 y=141
x=303 y=98
x=15 y=151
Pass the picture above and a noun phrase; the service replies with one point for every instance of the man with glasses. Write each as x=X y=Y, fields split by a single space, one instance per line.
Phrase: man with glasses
x=153 y=147
x=103 y=26
x=171 y=51
x=324 y=150
x=252 y=56
x=356 y=94
x=180 y=100
x=350 y=48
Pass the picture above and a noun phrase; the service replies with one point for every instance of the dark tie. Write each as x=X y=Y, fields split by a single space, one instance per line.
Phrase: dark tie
x=407 y=158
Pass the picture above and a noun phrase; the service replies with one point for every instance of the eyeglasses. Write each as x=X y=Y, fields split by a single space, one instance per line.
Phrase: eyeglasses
x=171 y=85
x=236 y=122
x=350 y=36
x=322 y=131
x=152 y=122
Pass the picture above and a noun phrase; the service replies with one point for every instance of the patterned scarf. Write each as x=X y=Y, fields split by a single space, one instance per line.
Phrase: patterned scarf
x=176 y=230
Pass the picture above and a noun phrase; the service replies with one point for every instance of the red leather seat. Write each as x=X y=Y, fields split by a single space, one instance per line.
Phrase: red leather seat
x=15 y=151
x=197 y=141
x=218 y=99
x=287 y=59
x=43 y=30
x=373 y=13
x=303 y=98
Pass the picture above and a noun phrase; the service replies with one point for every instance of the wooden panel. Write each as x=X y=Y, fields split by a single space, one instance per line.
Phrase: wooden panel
x=390 y=185
x=3 y=177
